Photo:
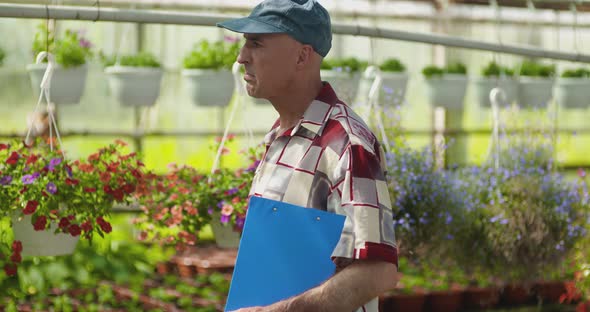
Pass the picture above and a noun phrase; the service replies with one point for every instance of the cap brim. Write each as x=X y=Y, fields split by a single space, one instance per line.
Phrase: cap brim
x=247 y=25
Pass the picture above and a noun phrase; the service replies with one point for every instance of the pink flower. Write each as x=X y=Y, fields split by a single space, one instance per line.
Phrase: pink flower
x=227 y=210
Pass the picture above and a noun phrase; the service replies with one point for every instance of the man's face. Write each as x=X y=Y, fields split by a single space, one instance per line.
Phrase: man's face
x=270 y=63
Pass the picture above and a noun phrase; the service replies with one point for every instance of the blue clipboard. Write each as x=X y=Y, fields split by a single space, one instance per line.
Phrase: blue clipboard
x=284 y=250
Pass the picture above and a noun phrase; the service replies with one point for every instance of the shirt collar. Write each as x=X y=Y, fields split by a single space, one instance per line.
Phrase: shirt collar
x=315 y=117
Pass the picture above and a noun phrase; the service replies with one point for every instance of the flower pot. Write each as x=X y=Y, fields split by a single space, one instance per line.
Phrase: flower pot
x=484 y=85
x=225 y=236
x=549 y=291
x=402 y=302
x=444 y=301
x=534 y=92
x=67 y=84
x=515 y=294
x=208 y=87
x=573 y=92
x=344 y=84
x=134 y=86
x=447 y=91
x=480 y=298
x=392 y=92
x=42 y=243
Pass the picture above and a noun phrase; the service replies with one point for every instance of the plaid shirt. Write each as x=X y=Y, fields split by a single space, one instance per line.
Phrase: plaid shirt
x=331 y=161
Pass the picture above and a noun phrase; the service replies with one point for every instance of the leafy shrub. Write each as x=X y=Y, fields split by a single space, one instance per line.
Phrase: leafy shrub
x=216 y=55
x=392 y=65
x=536 y=69
x=349 y=65
x=576 y=73
x=455 y=68
x=495 y=70
x=70 y=51
x=142 y=59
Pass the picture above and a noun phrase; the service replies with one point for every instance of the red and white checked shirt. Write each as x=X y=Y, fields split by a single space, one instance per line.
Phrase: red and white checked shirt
x=331 y=161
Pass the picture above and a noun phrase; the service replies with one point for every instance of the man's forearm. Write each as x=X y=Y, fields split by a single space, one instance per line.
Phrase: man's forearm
x=346 y=291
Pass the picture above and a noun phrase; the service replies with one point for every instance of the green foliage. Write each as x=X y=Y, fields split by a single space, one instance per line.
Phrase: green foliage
x=536 y=69
x=495 y=70
x=2 y=56
x=216 y=55
x=576 y=73
x=431 y=71
x=348 y=65
x=70 y=51
x=392 y=65
x=142 y=59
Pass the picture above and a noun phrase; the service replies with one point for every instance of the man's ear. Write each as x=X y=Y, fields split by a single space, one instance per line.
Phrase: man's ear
x=304 y=56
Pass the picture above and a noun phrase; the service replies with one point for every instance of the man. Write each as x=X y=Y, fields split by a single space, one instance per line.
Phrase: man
x=319 y=154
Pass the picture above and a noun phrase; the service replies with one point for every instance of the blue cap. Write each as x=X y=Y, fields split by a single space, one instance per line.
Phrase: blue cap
x=304 y=20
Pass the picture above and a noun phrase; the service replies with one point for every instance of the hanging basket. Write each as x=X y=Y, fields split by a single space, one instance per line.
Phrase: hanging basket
x=447 y=91
x=392 y=92
x=344 y=84
x=209 y=87
x=484 y=85
x=42 y=243
x=225 y=236
x=134 y=86
x=67 y=84
x=573 y=92
x=534 y=92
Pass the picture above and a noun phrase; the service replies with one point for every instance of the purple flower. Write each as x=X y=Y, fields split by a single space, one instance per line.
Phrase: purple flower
x=210 y=210
x=240 y=222
x=51 y=188
x=232 y=191
x=85 y=43
x=224 y=219
x=29 y=179
x=52 y=163
x=69 y=171
x=5 y=180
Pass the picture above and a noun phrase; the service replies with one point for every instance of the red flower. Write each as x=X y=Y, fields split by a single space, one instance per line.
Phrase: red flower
x=118 y=194
x=105 y=177
x=3 y=146
x=125 y=157
x=12 y=159
x=74 y=230
x=72 y=181
x=64 y=223
x=17 y=246
x=16 y=258
x=40 y=223
x=87 y=226
x=89 y=189
x=31 y=207
x=107 y=189
x=112 y=167
x=104 y=225
x=128 y=188
x=10 y=269
x=93 y=157
x=32 y=159
x=136 y=173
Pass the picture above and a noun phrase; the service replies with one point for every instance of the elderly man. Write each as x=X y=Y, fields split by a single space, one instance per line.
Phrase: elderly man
x=319 y=153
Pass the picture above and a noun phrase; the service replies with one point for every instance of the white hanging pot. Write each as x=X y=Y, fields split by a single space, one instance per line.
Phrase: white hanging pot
x=67 y=84
x=534 y=92
x=392 y=92
x=573 y=92
x=484 y=85
x=225 y=236
x=345 y=84
x=134 y=86
x=209 y=87
x=446 y=91
x=42 y=243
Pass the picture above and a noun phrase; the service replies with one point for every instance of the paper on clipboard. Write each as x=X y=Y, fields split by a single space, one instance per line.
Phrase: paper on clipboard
x=284 y=250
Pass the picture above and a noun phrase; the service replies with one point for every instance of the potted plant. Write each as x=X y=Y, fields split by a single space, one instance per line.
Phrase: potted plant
x=134 y=80
x=71 y=52
x=52 y=201
x=175 y=206
x=425 y=200
x=344 y=75
x=571 y=89
x=492 y=76
x=535 y=84
x=207 y=72
x=446 y=86
x=393 y=86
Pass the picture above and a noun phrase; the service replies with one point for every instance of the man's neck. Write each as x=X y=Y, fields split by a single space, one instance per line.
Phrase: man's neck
x=293 y=105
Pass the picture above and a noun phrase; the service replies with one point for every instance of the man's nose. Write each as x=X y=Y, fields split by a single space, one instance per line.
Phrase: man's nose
x=243 y=55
